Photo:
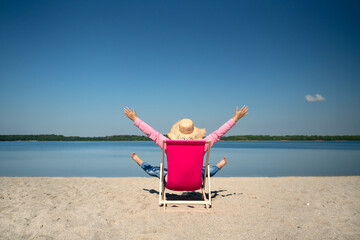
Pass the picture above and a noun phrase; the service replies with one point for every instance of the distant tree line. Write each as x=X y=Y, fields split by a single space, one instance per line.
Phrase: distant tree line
x=291 y=138
x=53 y=137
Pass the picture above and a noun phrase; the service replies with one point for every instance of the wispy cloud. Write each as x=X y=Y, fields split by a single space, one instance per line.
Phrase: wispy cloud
x=316 y=98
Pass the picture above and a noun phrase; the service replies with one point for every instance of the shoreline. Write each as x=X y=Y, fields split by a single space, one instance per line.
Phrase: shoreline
x=149 y=177
x=127 y=208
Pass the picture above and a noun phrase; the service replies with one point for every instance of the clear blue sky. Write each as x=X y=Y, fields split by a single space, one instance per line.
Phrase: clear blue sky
x=69 y=67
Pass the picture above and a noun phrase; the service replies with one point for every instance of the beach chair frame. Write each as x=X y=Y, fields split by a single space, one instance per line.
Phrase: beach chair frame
x=162 y=192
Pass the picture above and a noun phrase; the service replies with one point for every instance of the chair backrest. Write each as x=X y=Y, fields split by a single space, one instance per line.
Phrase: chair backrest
x=184 y=164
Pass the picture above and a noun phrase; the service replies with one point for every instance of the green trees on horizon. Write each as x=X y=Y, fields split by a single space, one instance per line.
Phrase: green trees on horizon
x=53 y=137
x=291 y=138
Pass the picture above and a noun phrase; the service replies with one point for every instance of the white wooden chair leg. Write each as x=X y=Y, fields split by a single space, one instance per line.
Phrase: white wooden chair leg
x=209 y=186
x=203 y=195
x=161 y=186
x=164 y=196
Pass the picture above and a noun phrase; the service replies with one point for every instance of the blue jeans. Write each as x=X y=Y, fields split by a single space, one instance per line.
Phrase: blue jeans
x=155 y=171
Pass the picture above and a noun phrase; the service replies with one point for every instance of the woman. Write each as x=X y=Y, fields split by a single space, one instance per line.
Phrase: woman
x=182 y=130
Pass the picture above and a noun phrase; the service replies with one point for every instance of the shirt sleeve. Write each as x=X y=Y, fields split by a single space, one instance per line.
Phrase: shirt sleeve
x=157 y=137
x=215 y=136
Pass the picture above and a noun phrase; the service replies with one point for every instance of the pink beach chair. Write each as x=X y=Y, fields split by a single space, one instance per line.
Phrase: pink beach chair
x=184 y=164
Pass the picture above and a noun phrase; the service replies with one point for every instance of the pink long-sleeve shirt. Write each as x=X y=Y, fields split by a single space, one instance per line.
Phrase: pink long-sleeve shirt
x=158 y=137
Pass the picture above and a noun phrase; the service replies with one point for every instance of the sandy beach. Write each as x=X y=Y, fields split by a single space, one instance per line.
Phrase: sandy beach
x=127 y=208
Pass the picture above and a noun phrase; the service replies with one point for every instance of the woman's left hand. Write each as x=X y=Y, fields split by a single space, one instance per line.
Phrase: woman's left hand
x=241 y=113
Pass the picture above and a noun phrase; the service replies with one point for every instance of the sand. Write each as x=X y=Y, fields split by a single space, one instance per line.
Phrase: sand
x=127 y=208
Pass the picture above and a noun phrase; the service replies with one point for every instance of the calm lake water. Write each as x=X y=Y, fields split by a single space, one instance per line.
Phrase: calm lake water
x=245 y=158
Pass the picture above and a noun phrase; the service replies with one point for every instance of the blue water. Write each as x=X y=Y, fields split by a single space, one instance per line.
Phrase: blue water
x=112 y=159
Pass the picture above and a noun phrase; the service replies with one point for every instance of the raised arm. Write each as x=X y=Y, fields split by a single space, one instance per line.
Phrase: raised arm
x=215 y=136
x=149 y=131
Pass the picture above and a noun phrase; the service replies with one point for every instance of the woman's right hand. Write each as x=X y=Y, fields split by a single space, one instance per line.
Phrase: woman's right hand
x=130 y=114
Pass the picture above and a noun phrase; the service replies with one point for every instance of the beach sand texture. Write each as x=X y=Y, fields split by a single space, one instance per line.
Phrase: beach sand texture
x=127 y=208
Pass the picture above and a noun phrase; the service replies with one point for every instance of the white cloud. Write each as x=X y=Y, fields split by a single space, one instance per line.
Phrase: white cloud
x=315 y=98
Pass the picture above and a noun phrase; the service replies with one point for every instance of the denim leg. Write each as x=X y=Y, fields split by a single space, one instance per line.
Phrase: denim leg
x=213 y=170
x=155 y=171
x=151 y=170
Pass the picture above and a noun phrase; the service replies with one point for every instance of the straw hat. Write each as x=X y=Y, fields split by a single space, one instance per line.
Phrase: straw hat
x=185 y=130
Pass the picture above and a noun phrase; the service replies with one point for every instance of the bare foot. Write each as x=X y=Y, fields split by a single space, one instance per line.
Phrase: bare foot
x=136 y=158
x=222 y=163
